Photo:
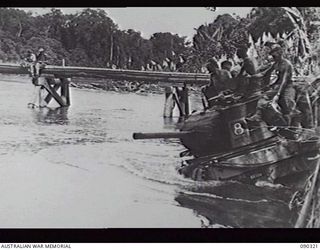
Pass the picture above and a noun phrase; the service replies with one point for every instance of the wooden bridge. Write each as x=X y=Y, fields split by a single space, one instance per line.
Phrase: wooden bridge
x=54 y=77
x=117 y=74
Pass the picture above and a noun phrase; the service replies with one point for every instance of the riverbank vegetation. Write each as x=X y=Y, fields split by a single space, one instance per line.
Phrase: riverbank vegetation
x=91 y=38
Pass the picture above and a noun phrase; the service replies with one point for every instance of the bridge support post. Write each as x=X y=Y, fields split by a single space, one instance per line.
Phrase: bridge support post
x=169 y=102
x=176 y=96
x=182 y=100
x=185 y=99
x=65 y=90
x=52 y=85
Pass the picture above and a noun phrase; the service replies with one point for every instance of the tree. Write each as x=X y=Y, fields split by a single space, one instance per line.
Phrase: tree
x=217 y=39
x=167 y=47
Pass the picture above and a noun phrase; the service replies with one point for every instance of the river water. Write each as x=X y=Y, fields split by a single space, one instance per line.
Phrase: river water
x=80 y=168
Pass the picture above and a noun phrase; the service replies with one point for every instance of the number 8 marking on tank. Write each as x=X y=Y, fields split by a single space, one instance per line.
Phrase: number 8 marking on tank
x=238 y=129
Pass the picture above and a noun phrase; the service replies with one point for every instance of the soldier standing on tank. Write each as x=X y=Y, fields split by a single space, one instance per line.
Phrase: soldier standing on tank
x=218 y=77
x=248 y=68
x=283 y=92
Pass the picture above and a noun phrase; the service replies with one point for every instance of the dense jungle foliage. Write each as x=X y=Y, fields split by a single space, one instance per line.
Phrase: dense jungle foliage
x=91 y=38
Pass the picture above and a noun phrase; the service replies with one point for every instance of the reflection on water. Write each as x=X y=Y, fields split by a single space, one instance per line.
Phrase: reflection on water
x=172 y=122
x=48 y=115
x=231 y=204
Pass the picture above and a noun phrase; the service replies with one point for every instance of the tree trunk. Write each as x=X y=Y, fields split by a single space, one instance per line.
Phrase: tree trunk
x=20 y=29
x=111 y=49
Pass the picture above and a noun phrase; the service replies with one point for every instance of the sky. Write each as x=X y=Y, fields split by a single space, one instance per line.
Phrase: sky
x=149 y=20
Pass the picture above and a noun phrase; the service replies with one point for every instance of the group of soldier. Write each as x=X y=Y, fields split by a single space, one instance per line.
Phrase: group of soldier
x=35 y=62
x=280 y=95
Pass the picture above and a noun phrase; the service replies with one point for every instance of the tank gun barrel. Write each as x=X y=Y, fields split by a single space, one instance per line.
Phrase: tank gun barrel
x=163 y=135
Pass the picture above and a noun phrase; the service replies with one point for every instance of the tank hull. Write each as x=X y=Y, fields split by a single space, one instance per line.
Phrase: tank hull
x=271 y=160
x=226 y=146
